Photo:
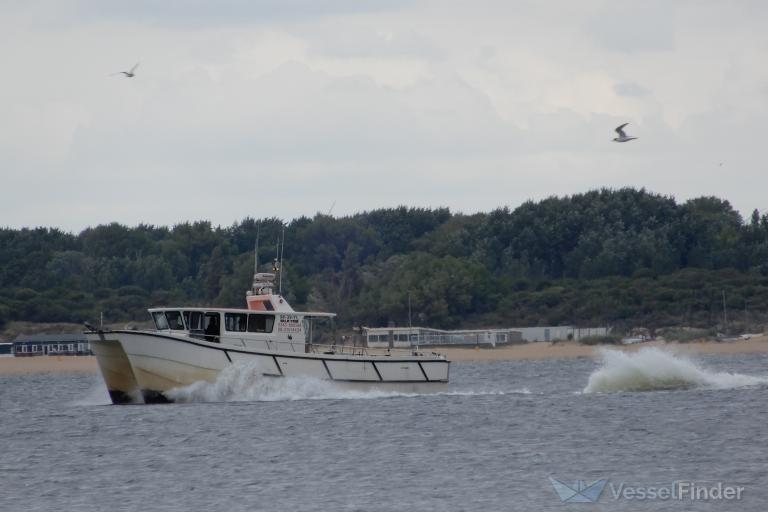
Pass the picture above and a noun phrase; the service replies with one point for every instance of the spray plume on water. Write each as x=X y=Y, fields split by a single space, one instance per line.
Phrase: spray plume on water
x=652 y=369
x=96 y=395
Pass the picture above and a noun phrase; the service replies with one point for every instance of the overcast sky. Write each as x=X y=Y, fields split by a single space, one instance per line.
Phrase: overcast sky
x=289 y=107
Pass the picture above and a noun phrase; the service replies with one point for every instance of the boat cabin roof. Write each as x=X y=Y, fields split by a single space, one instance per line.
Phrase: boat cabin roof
x=316 y=314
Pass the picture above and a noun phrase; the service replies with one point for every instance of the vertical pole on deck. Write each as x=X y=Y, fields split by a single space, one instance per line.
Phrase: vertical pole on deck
x=280 y=281
x=410 y=324
x=256 y=251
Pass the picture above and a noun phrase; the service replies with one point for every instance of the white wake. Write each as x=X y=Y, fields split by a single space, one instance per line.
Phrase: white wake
x=652 y=369
x=245 y=382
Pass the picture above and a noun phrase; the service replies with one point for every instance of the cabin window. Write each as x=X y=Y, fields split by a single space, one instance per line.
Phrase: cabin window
x=160 y=322
x=236 y=322
x=194 y=320
x=261 y=323
x=174 y=320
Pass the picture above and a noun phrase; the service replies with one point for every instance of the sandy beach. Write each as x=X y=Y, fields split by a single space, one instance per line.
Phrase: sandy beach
x=539 y=350
x=48 y=364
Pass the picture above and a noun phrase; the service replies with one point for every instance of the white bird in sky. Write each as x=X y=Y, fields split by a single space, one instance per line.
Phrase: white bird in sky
x=623 y=137
x=129 y=74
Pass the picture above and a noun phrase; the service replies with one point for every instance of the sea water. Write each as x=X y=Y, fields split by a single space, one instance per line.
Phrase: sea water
x=496 y=441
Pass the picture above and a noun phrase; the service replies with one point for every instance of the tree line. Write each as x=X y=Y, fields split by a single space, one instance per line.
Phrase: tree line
x=622 y=257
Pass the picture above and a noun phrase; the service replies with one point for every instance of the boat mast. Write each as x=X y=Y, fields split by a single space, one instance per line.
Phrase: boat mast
x=280 y=276
x=258 y=283
x=276 y=262
x=256 y=251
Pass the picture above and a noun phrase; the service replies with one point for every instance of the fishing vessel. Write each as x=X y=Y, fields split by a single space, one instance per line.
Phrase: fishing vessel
x=192 y=344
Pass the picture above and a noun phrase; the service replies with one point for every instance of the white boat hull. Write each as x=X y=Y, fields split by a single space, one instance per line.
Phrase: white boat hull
x=158 y=363
x=117 y=372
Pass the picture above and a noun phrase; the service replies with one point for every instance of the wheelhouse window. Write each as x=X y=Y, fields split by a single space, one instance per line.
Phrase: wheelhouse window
x=160 y=321
x=261 y=323
x=235 y=322
x=194 y=320
x=174 y=320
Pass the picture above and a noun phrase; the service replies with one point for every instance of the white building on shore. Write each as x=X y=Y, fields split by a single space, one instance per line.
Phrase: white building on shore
x=402 y=337
x=560 y=333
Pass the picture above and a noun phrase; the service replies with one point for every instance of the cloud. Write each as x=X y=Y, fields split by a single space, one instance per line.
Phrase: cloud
x=635 y=27
x=631 y=90
x=270 y=110
x=203 y=13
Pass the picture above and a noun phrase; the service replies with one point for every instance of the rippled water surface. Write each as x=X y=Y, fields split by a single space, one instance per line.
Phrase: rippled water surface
x=491 y=443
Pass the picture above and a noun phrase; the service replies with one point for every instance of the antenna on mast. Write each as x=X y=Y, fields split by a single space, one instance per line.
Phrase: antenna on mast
x=256 y=251
x=276 y=262
x=282 y=248
x=258 y=282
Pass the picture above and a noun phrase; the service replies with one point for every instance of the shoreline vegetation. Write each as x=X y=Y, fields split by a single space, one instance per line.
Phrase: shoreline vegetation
x=625 y=258
x=516 y=352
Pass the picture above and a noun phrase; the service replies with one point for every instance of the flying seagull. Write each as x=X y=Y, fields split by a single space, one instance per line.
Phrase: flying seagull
x=129 y=74
x=623 y=137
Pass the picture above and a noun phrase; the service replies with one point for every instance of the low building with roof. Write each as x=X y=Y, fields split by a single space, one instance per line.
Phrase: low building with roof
x=561 y=332
x=26 y=345
x=413 y=336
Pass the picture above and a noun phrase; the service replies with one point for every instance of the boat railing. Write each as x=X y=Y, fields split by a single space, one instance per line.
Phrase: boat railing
x=330 y=349
x=366 y=351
